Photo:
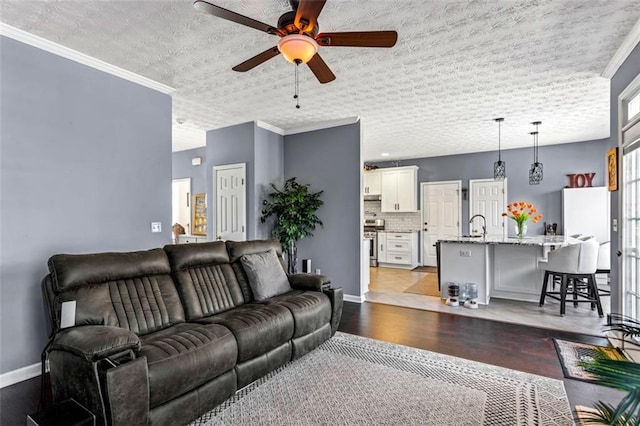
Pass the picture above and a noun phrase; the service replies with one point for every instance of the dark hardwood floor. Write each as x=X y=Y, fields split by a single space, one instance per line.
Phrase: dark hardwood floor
x=513 y=346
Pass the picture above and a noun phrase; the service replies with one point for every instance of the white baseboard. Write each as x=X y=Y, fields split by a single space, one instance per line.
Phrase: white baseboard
x=25 y=373
x=354 y=299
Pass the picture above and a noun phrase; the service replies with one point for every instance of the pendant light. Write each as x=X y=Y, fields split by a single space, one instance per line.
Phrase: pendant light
x=499 y=167
x=535 y=172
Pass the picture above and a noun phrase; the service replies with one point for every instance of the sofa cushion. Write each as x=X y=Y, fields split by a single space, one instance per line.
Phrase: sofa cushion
x=185 y=356
x=258 y=328
x=265 y=274
x=204 y=277
x=310 y=309
x=237 y=249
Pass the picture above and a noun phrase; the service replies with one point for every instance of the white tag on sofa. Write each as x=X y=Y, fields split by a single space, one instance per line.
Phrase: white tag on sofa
x=68 y=314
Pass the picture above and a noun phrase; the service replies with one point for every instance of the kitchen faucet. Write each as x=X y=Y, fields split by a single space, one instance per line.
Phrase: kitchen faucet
x=484 y=224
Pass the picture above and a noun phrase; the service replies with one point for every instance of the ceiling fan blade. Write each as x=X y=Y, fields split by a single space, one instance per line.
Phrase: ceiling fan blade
x=257 y=60
x=223 y=13
x=358 y=39
x=307 y=14
x=320 y=69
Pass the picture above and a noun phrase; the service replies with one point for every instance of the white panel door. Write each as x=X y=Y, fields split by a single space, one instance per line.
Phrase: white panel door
x=488 y=198
x=441 y=215
x=230 y=208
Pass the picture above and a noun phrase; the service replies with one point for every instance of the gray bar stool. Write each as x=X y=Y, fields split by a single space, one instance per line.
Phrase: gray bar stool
x=572 y=264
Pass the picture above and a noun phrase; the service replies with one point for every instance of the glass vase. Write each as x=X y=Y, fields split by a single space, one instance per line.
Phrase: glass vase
x=521 y=230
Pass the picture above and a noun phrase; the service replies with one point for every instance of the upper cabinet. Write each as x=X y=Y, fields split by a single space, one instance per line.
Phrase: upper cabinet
x=371 y=183
x=399 y=189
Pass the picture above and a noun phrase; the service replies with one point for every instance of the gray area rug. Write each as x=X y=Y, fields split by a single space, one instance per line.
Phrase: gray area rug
x=352 y=380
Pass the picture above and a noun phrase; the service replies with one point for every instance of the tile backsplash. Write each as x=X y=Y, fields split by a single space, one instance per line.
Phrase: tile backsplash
x=392 y=221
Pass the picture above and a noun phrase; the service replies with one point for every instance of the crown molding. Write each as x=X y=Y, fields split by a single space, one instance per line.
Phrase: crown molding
x=623 y=52
x=322 y=125
x=270 y=127
x=74 y=55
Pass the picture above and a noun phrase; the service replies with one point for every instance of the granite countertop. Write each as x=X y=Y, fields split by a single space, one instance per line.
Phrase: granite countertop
x=538 y=240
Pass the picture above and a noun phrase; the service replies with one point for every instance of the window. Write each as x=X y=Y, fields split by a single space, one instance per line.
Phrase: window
x=631 y=232
x=633 y=107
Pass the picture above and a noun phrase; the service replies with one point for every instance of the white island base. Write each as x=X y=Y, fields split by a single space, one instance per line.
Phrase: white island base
x=505 y=268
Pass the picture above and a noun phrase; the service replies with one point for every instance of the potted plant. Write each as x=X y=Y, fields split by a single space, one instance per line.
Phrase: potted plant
x=294 y=208
x=619 y=374
x=521 y=212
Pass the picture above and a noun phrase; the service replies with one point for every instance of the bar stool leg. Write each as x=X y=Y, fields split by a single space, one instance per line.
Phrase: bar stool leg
x=592 y=283
x=543 y=293
x=563 y=294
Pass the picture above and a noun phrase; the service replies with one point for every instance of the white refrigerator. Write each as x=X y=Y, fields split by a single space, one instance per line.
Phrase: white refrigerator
x=586 y=211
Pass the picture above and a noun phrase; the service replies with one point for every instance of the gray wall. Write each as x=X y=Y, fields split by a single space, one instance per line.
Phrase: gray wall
x=85 y=167
x=182 y=168
x=330 y=160
x=558 y=160
x=269 y=168
x=622 y=78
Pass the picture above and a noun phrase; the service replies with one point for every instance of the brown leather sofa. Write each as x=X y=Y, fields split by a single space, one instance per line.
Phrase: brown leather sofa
x=163 y=336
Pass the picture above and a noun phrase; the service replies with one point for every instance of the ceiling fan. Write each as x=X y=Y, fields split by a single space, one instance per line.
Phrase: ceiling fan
x=299 y=37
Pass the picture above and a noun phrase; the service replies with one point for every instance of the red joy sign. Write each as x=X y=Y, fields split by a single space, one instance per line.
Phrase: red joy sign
x=580 y=180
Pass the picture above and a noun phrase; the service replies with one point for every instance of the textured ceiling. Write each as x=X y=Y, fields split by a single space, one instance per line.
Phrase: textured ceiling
x=456 y=66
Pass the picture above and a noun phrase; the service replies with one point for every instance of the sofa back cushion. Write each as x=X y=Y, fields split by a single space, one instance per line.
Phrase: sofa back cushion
x=132 y=290
x=204 y=277
x=237 y=249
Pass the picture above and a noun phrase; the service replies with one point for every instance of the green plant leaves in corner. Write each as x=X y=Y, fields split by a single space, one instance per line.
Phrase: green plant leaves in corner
x=618 y=374
x=294 y=208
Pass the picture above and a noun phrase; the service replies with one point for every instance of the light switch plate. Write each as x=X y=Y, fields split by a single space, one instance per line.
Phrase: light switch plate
x=156 y=226
x=615 y=225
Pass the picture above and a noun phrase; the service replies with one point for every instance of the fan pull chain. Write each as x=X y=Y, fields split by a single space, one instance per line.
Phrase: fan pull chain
x=295 y=96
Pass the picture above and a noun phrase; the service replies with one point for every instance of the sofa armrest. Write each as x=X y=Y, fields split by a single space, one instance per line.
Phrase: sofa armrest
x=309 y=281
x=94 y=342
x=336 y=298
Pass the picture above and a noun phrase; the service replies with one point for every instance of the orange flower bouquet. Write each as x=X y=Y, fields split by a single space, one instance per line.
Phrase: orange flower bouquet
x=521 y=212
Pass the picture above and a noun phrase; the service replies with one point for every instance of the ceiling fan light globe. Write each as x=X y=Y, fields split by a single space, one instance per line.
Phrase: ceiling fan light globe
x=297 y=47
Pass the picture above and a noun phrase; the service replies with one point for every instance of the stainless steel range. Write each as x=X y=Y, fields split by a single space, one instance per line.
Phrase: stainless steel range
x=371 y=228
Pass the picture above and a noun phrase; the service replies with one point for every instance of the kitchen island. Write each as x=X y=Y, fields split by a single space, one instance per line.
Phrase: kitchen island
x=505 y=268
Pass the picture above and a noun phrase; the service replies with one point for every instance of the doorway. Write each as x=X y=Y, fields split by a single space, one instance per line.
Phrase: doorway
x=181 y=203
x=488 y=198
x=230 y=202
x=441 y=215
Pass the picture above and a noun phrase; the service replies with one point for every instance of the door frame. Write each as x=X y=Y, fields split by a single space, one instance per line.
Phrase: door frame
x=422 y=210
x=627 y=94
x=189 y=195
x=504 y=200
x=214 y=221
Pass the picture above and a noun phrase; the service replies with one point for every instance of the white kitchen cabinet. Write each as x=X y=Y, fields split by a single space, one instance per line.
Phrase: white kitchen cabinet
x=371 y=183
x=382 y=247
x=399 y=189
x=400 y=249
